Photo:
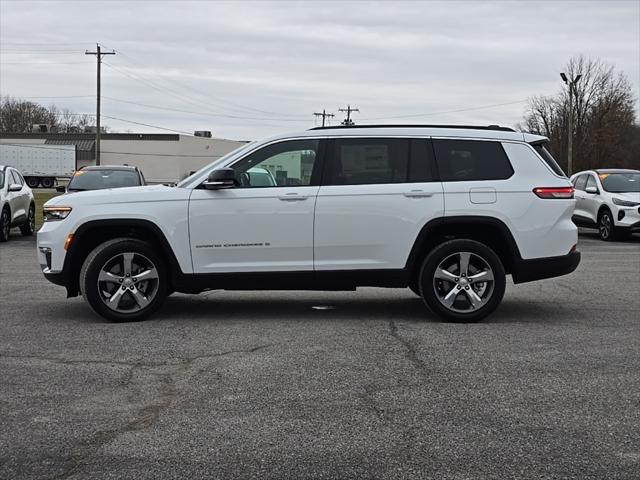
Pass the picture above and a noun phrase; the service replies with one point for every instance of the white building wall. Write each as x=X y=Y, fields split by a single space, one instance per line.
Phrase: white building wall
x=164 y=161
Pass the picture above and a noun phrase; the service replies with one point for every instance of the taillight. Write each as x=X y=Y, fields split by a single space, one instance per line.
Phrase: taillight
x=554 y=192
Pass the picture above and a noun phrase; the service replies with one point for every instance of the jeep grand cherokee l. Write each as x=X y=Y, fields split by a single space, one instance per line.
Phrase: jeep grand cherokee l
x=446 y=211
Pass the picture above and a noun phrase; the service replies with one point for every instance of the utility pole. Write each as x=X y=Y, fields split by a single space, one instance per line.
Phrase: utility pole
x=98 y=53
x=324 y=115
x=347 y=121
x=572 y=87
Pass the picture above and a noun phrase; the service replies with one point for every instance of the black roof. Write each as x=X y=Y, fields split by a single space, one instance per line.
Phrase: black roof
x=467 y=127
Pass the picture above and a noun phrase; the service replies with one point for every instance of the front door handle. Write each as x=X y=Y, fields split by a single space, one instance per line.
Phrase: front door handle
x=292 y=197
x=418 y=194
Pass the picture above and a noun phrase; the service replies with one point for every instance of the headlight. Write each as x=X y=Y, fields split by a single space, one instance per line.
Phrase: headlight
x=624 y=203
x=52 y=214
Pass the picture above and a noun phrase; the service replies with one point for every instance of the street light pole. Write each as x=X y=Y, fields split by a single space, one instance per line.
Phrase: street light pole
x=572 y=86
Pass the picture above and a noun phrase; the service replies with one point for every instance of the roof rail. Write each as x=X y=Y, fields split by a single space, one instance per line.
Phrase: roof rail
x=468 y=127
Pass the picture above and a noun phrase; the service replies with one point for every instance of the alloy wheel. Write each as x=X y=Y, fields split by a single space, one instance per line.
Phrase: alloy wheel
x=128 y=282
x=463 y=282
x=32 y=219
x=605 y=226
x=4 y=224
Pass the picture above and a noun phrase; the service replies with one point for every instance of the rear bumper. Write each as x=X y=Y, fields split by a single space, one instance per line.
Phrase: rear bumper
x=539 y=268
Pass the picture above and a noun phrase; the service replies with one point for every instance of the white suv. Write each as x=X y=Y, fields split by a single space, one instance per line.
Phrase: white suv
x=447 y=211
x=17 y=207
x=609 y=200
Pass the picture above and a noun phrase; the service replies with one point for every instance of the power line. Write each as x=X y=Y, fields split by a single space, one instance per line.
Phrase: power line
x=208 y=95
x=43 y=147
x=43 y=63
x=207 y=114
x=447 y=111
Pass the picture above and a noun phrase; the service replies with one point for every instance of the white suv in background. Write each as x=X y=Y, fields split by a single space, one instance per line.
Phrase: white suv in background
x=608 y=200
x=447 y=211
x=17 y=207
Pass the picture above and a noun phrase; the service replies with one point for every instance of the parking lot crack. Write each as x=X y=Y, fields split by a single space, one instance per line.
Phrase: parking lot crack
x=410 y=351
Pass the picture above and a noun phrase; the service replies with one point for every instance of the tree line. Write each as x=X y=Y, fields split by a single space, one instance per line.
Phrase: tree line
x=605 y=132
x=18 y=116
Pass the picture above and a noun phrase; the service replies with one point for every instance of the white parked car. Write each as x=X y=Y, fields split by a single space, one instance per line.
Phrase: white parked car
x=17 y=207
x=608 y=200
x=444 y=210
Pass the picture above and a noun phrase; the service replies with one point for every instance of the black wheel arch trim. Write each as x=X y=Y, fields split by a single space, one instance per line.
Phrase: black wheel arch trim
x=68 y=277
x=462 y=220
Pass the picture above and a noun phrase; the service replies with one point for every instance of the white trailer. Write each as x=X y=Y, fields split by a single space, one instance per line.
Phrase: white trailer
x=40 y=164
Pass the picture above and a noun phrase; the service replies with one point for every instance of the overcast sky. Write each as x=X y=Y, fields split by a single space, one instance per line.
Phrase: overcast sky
x=248 y=69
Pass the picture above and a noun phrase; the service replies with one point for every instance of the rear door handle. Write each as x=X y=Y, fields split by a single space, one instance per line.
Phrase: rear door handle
x=418 y=194
x=292 y=197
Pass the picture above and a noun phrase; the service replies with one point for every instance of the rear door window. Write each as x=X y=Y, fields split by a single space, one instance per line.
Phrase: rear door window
x=591 y=182
x=361 y=161
x=469 y=160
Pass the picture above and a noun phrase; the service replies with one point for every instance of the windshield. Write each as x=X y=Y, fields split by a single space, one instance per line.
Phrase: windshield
x=236 y=152
x=100 y=179
x=620 y=182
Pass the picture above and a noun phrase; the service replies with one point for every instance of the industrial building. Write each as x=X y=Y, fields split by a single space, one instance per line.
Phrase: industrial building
x=162 y=157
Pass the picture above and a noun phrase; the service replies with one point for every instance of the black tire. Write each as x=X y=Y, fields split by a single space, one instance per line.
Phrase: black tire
x=5 y=224
x=606 y=228
x=494 y=290
x=32 y=182
x=100 y=257
x=47 y=182
x=29 y=227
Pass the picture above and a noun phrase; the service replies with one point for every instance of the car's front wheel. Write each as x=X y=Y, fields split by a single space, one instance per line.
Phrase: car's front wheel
x=29 y=227
x=5 y=224
x=124 y=280
x=606 y=227
x=462 y=280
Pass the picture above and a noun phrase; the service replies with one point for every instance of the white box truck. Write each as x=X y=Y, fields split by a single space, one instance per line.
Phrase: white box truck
x=40 y=164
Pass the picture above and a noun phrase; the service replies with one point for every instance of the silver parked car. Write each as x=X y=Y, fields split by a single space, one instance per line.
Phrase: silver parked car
x=18 y=208
x=608 y=200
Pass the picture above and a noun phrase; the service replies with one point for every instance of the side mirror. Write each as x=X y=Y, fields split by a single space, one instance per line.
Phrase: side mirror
x=221 y=178
x=15 y=187
x=592 y=190
x=61 y=189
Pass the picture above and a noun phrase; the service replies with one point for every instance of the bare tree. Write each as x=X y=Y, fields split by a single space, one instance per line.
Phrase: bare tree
x=18 y=116
x=604 y=118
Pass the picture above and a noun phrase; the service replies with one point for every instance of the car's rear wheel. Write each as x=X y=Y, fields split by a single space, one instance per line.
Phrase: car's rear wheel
x=5 y=224
x=462 y=281
x=29 y=226
x=124 y=280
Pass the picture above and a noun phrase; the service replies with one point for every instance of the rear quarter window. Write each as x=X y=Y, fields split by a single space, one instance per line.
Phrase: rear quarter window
x=548 y=158
x=469 y=160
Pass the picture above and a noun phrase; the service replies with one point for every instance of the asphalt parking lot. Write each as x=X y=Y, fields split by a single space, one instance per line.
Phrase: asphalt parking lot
x=263 y=385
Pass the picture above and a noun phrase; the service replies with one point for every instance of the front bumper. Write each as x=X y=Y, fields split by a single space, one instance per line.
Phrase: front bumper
x=539 y=268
